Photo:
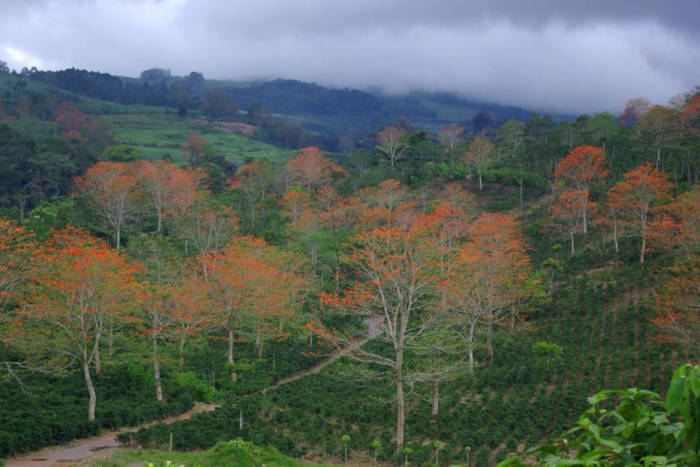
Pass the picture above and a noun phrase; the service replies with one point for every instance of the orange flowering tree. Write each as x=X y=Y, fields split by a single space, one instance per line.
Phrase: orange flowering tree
x=206 y=228
x=479 y=153
x=489 y=278
x=566 y=214
x=678 y=306
x=172 y=190
x=190 y=304
x=254 y=287
x=635 y=197
x=81 y=285
x=110 y=189
x=578 y=171
x=17 y=264
x=310 y=168
x=391 y=297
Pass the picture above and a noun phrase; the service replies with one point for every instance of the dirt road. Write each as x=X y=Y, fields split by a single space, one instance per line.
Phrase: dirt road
x=84 y=450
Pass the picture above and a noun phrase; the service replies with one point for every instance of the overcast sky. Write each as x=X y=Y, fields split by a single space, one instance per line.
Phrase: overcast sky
x=550 y=55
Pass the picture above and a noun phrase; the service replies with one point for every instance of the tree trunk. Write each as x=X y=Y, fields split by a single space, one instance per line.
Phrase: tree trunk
x=159 y=211
x=156 y=370
x=96 y=352
x=481 y=186
x=571 y=234
x=585 y=218
x=230 y=353
x=617 y=245
x=181 y=353
x=110 y=339
x=400 y=403
x=259 y=342
x=118 y=238
x=522 y=199
x=400 y=411
x=489 y=341
x=436 y=400
x=470 y=345
x=644 y=245
x=91 y=389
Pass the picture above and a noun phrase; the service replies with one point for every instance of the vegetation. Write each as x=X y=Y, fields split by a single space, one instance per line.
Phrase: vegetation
x=315 y=297
x=234 y=452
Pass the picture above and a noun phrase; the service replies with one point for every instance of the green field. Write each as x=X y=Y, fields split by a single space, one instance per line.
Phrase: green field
x=158 y=135
x=225 y=453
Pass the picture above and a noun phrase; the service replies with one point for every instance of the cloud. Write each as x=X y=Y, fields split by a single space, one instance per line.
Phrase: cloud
x=546 y=55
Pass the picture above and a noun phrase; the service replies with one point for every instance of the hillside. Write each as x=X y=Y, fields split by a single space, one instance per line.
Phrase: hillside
x=420 y=299
x=317 y=109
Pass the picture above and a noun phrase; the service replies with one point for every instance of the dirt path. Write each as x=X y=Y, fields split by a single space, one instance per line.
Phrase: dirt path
x=316 y=368
x=83 y=450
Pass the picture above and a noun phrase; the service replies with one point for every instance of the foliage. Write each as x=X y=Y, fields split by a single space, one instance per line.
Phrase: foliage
x=235 y=452
x=634 y=427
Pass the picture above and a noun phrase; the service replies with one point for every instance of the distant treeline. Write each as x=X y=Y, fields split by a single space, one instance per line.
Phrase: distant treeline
x=333 y=112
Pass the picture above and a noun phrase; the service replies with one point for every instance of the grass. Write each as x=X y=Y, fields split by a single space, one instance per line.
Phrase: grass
x=157 y=135
x=234 y=452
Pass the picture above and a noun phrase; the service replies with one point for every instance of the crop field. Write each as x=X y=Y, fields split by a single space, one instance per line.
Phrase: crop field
x=160 y=135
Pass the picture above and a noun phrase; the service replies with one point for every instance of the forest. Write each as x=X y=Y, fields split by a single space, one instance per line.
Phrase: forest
x=518 y=291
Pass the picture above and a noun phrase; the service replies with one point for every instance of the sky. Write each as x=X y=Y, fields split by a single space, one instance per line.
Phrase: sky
x=564 y=56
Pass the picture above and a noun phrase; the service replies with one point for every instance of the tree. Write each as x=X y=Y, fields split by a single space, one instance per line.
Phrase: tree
x=190 y=306
x=392 y=142
x=495 y=270
x=478 y=155
x=579 y=170
x=110 y=189
x=391 y=296
x=153 y=313
x=218 y=104
x=80 y=283
x=70 y=118
x=255 y=182
x=196 y=147
x=450 y=135
x=567 y=212
x=690 y=138
x=635 y=195
x=634 y=109
x=172 y=190
x=254 y=286
x=678 y=306
x=18 y=264
x=659 y=126
x=311 y=168
x=511 y=147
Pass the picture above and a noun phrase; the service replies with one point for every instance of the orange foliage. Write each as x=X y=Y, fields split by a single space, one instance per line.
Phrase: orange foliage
x=17 y=263
x=70 y=118
x=678 y=306
x=310 y=168
x=581 y=167
x=255 y=287
x=110 y=188
x=568 y=213
x=635 y=197
x=80 y=284
x=173 y=190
